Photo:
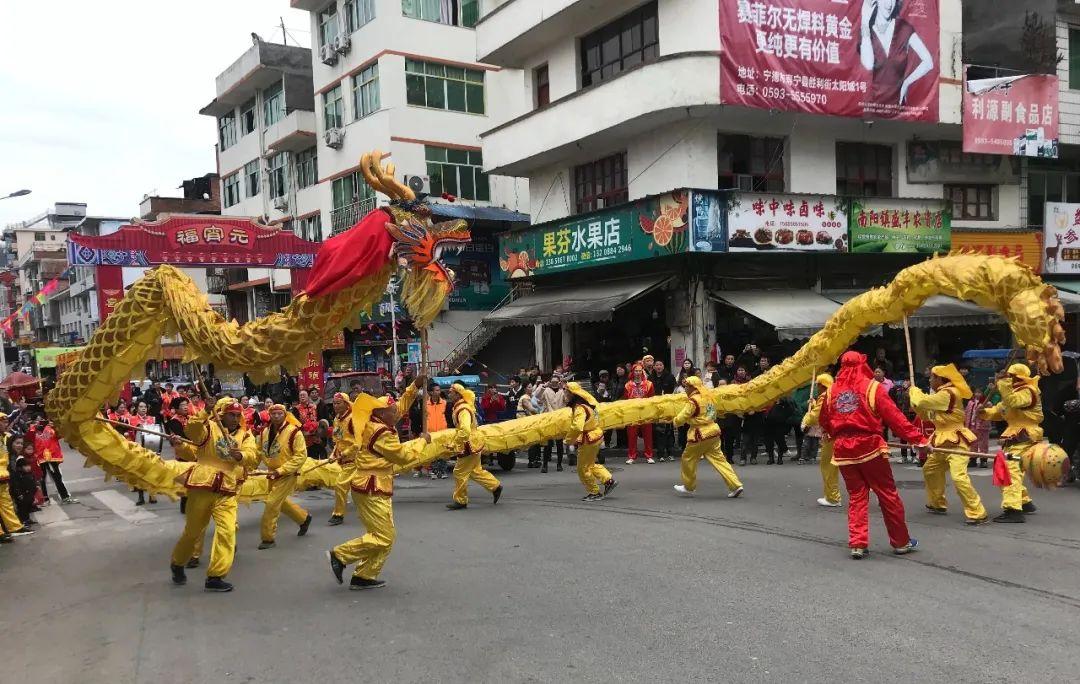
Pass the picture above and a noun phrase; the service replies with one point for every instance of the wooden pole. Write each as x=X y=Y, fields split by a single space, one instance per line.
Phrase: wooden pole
x=126 y=427
x=910 y=362
x=813 y=383
x=423 y=371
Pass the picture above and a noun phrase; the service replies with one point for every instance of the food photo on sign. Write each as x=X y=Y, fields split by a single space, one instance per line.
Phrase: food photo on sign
x=792 y=223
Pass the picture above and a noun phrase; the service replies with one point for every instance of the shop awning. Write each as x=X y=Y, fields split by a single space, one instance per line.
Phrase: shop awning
x=796 y=314
x=596 y=301
x=940 y=311
x=1072 y=286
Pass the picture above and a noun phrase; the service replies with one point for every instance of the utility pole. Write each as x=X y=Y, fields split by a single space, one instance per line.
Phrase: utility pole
x=284 y=35
x=3 y=336
x=391 y=288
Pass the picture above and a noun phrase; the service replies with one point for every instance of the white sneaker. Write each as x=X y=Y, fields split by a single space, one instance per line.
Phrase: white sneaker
x=69 y=500
x=22 y=533
x=416 y=474
x=629 y=461
x=735 y=493
x=649 y=460
x=683 y=491
x=828 y=504
x=431 y=476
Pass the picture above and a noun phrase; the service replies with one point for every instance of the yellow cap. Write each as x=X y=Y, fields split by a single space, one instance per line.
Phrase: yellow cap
x=951 y=374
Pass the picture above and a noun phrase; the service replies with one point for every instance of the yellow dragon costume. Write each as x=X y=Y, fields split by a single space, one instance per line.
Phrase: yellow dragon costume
x=166 y=302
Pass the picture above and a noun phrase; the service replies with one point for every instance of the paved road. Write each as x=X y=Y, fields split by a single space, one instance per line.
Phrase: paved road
x=644 y=586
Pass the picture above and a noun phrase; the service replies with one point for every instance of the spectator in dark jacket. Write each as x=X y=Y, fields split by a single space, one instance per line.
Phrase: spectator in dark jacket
x=777 y=424
x=663 y=433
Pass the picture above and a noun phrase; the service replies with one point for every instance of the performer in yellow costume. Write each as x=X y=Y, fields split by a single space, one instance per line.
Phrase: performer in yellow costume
x=702 y=440
x=468 y=446
x=1021 y=409
x=830 y=473
x=372 y=485
x=346 y=445
x=586 y=434
x=13 y=527
x=224 y=451
x=944 y=407
x=282 y=448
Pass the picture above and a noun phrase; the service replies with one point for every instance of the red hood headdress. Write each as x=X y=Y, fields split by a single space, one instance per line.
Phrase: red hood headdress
x=853 y=368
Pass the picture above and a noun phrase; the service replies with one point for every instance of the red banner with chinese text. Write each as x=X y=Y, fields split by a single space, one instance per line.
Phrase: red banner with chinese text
x=311 y=375
x=110 y=290
x=1026 y=246
x=1014 y=115
x=875 y=59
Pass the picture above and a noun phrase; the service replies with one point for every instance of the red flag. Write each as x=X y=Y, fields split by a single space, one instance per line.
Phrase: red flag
x=1001 y=476
x=344 y=259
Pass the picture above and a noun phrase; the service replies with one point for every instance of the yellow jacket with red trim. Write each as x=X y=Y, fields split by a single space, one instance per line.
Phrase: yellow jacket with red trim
x=286 y=453
x=378 y=451
x=584 y=425
x=467 y=441
x=945 y=409
x=700 y=416
x=1021 y=409
x=214 y=468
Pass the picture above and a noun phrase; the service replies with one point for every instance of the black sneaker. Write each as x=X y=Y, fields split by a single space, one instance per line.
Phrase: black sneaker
x=140 y=502
x=610 y=486
x=977 y=521
x=742 y=461
x=558 y=468
x=336 y=567
x=193 y=562
x=495 y=494
x=178 y=574
x=266 y=545
x=359 y=584
x=335 y=520
x=590 y=498
x=1029 y=507
x=304 y=526
x=543 y=469
x=1010 y=515
x=859 y=554
x=217 y=584
x=936 y=511
x=6 y=539
x=455 y=506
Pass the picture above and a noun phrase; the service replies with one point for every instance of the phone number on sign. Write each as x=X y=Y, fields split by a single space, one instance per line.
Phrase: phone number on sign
x=775 y=93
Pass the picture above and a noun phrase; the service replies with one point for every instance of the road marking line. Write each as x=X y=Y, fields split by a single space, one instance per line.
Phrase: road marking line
x=122 y=506
x=51 y=514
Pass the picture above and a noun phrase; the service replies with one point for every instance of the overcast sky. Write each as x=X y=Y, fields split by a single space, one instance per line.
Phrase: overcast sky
x=99 y=101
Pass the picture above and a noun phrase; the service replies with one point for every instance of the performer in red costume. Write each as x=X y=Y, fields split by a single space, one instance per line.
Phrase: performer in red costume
x=855 y=410
x=639 y=387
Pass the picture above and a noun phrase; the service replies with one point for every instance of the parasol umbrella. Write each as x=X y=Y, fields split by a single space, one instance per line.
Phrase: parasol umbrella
x=19 y=379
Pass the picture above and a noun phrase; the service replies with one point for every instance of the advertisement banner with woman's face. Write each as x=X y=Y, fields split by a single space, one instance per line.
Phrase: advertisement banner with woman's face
x=862 y=58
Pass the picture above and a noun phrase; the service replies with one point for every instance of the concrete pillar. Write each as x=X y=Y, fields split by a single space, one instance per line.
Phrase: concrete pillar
x=542 y=345
x=567 y=332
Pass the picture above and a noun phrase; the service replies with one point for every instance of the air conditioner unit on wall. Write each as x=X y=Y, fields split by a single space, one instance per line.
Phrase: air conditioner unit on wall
x=334 y=137
x=281 y=203
x=328 y=54
x=744 y=182
x=421 y=185
x=342 y=43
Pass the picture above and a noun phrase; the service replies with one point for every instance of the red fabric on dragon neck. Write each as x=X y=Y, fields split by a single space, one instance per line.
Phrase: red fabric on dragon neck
x=348 y=257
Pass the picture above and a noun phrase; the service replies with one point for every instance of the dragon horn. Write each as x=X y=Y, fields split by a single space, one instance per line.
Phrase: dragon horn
x=369 y=161
x=392 y=187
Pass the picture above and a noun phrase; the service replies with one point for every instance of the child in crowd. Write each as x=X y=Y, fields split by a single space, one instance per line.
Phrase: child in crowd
x=23 y=491
x=980 y=427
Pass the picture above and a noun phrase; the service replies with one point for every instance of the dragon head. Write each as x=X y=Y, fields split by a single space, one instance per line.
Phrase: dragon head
x=419 y=241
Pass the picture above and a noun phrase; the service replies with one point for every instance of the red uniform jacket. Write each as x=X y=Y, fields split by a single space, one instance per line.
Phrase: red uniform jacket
x=853 y=417
x=634 y=390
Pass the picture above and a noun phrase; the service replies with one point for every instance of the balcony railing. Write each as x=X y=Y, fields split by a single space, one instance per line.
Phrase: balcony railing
x=346 y=217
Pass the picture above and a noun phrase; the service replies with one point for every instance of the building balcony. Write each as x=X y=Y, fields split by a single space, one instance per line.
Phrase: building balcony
x=511 y=31
x=348 y=216
x=307 y=5
x=294 y=133
x=262 y=65
x=668 y=90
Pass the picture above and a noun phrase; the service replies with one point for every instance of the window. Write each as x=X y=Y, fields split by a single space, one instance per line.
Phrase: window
x=444 y=87
x=358 y=13
x=747 y=163
x=626 y=42
x=310 y=228
x=864 y=170
x=247 y=117
x=39 y=237
x=1074 y=59
x=251 y=178
x=601 y=183
x=971 y=202
x=1045 y=185
x=227 y=130
x=541 y=86
x=333 y=108
x=328 y=25
x=457 y=172
x=307 y=168
x=273 y=104
x=350 y=189
x=365 y=91
x=453 y=12
x=277 y=172
x=231 y=193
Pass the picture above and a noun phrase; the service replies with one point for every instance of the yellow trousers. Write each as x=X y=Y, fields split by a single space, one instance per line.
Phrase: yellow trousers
x=591 y=473
x=469 y=468
x=830 y=473
x=7 y=510
x=710 y=450
x=370 y=551
x=203 y=505
x=933 y=472
x=1016 y=494
x=277 y=502
x=341 y=490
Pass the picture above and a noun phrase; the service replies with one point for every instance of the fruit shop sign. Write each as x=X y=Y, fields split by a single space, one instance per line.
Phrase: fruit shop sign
x=790 y=223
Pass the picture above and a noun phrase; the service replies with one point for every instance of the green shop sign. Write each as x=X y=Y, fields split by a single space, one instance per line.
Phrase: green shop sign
x=648 y=228
x=891 y=225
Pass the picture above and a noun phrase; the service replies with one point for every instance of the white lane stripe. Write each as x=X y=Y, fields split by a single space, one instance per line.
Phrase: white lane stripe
x=122 y=506
x=51 y=514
